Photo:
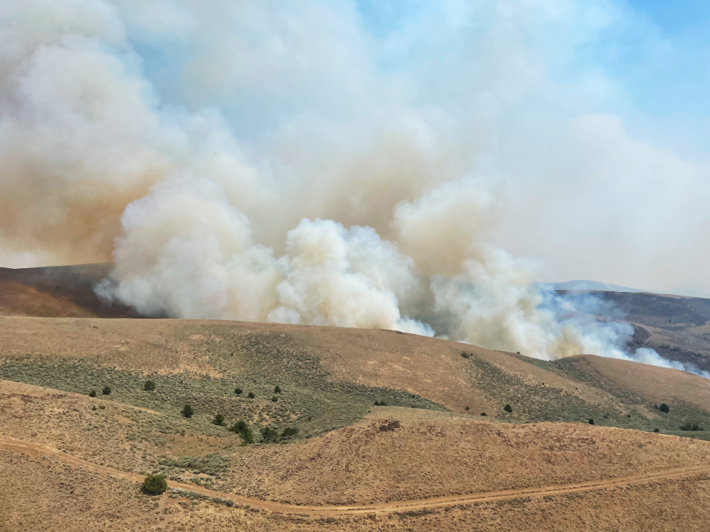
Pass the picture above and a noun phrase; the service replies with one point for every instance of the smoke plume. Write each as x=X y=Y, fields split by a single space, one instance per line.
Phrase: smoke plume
x=258 y=161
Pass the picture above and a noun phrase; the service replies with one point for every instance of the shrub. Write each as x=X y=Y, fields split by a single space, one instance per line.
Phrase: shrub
x=508 y=408
x=218 y=420
x=591 y=422
x=289 y=432
x=187 y=411
x=688 y=427
x=154 y=484
x=149 y=386
x=274 y=398
x=92 y=393
x=268 y=434
x=277 y=390
x=251 y=395
x=107 y=390
x=655 y=430
x=377 y=403
x=467 y=409
x=465 y=355
x=241 y=428
x=484 y=414
x=664 y=408
x=238 y=391
x=382 y=403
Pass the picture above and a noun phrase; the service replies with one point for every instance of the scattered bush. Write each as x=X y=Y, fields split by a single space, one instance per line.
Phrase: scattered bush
x=251 y=395
x=377 y=403
x=664 y=408
x=154 y=485
x=484 y=414
x=92 y=393
x=655 y=430
x=289 y=433
x=107 y=390
x=187 y=411
x=269 y=435
x=694 y=427
x=508 y=408
x=274 y=398
x=277 y=390
x=465 y=355
x=382 y=403
x=591 y=421
x=238 y=391
x=467 y=409
x=218 y=420
x=149 y=386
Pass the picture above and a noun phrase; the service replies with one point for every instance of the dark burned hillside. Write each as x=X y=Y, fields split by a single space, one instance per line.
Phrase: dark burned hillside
x=676 y=327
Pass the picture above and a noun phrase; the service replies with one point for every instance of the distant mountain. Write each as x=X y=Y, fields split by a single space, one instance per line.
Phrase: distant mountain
x=591 y=285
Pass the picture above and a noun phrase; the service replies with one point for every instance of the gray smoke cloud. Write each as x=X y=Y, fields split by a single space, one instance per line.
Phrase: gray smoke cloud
x=278 y=174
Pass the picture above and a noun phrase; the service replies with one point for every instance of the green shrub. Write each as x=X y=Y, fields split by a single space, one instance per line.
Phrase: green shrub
x=238 y=391
x=591 y=422
x=465 y=355
x=377 y=403
x=218 y=420
x=107 y=390
x=92 y=393
x=664 y=408
x=508 y=408
x=688 y=427
x=484 y=414
x=289 y=432
x=655 y=430
x=187 y=411
x=274 y=398
x=241 y=428
x=269 y=435
x=149 y=386
x=154 y=485
x=277 y=390
x=251 y=395
x=467 y=409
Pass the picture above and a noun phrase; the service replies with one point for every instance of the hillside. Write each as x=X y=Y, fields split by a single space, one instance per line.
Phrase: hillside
x=60 y=291
x=422 y=461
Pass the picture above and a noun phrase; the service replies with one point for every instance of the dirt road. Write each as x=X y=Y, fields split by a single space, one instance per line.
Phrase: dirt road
x=31 y=448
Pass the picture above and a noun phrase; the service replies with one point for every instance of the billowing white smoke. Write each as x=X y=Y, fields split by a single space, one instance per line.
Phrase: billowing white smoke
x=371 y=215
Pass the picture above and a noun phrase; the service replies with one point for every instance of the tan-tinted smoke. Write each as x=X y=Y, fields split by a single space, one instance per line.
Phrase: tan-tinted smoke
x=379 y=223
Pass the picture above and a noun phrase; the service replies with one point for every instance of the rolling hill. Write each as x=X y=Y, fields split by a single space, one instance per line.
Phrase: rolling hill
x=392 y=431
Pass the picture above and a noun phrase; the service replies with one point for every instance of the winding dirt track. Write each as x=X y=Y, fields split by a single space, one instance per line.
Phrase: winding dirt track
x=20 y=446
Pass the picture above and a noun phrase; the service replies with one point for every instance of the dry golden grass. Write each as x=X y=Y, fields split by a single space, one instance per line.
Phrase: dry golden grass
x=650 y=382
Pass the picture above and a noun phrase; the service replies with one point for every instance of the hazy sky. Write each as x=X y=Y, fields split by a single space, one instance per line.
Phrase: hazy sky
x=591 y=117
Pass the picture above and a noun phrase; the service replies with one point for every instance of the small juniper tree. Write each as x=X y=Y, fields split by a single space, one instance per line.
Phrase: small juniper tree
x=187 y=411
x=467 y=409
x=591 y=421
x=218 y=420
x=277 y=390
x=377 y=403
x=149 y=386
x=251 y=395
x=274 y=398
x=508 y=408
x=484 y=414
x=107 y=390
x=269 y=435
x=289 y=432
x=92 y=393
x=664 y=408
x=154 y=485
x=655 y=430
x=238 y=391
